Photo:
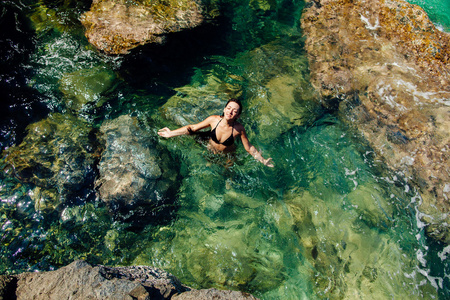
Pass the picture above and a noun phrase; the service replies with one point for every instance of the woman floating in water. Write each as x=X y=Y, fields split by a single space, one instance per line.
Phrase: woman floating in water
x=225 y=130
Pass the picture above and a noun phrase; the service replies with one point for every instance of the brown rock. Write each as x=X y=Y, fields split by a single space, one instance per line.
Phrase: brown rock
x=386 y=67
x=116 y=26
x=79 y=280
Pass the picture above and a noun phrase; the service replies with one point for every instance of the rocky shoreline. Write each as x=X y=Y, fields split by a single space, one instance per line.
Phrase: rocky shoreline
x=385 y=68
x=80 y=280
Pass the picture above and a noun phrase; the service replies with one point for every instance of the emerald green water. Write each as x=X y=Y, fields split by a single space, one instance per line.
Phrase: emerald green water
x=437 y=10
x=329 y=221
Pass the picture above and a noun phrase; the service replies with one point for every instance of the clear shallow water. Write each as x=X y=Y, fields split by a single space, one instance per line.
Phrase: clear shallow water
x=330 y=221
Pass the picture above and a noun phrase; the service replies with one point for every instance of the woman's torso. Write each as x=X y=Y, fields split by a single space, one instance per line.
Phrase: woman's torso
x=222 y=137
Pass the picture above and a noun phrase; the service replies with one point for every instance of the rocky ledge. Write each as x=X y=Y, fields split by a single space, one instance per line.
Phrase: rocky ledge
x=385 y=67
x=79 y=280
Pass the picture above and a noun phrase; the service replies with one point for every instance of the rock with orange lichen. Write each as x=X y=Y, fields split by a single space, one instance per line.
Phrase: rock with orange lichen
x=117 y=26
x=386 y=68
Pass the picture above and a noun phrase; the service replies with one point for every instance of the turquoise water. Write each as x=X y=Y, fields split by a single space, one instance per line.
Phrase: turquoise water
x=329 y=221
x=438 y=12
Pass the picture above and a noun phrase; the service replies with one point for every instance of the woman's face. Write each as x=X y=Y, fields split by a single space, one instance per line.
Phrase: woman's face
x=231 y=111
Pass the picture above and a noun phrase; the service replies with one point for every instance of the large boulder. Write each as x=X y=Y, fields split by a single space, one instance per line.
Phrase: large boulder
x=116 y=26
x=385 y=67
x=80 y=280
x=130 y=170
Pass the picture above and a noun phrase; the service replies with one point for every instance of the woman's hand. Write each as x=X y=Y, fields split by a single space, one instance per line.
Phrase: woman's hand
x=165 y=132
x=268 y=162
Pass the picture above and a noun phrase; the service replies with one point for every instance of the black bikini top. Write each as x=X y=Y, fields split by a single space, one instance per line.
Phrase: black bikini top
x=228 y=142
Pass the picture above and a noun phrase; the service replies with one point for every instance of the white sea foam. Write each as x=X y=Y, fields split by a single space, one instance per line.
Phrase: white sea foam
x=369 y=25
x=443 y=255
x=385 y=93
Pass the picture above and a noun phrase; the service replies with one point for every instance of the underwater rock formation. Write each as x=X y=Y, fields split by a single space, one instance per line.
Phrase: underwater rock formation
x=385 y=67
x=80 y=280
x=117 y=26
x=83 y=89
x=130 y=174
x=57 y=156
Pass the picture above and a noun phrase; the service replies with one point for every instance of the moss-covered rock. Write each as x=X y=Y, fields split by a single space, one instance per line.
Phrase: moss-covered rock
x=84 y=89
x=58 y=156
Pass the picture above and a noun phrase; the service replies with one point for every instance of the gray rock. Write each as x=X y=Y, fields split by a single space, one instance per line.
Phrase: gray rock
x=79 y=280
x=129 y=170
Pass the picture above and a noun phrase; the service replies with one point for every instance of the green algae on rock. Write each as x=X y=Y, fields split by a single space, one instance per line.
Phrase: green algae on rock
x=83 y=89
x=386 y=67
x=117 y=26
x=57 y=156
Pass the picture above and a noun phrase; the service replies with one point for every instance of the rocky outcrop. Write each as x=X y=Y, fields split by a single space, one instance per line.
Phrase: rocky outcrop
x=79 y=280
x=385 y=67
x=130 y=171
x=116 y=26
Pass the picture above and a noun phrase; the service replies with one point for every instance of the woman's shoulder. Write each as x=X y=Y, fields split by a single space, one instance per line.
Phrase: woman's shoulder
x=213 y=118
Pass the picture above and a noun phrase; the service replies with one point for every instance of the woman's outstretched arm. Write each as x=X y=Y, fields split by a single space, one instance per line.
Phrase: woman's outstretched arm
x=167 y=133
x=253 y=152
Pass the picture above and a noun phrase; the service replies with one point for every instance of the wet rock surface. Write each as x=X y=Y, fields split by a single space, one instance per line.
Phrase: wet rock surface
x=84 y=89
x=116 y=26
x=129 y=170
x=57 y=156
x=385 y=67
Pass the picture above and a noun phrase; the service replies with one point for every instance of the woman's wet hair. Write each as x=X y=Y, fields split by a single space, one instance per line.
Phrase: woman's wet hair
x=238 y=103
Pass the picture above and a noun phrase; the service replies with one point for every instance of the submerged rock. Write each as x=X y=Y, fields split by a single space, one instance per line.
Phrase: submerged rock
x=274 y=89
x=386 y=67
x=365 y=261
x=83 y=89
x=130 y=171
x=58 y=157
x=279 y=93
x=116 y=26
x=194 y=103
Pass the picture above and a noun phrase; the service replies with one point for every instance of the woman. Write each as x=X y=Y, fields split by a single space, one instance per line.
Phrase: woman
x=225 y=130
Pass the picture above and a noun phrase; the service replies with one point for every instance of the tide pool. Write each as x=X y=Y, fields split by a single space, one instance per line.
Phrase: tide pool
x=330 y=221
